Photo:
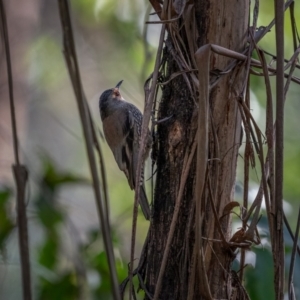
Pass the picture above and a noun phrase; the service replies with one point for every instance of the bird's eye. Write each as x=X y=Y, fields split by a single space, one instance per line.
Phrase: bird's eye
x=117 y=94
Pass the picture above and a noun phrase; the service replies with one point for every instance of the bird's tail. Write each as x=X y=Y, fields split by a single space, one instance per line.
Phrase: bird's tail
x=144 y=203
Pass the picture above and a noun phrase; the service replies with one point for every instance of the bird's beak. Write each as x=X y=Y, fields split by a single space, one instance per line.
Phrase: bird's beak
x=119 y=84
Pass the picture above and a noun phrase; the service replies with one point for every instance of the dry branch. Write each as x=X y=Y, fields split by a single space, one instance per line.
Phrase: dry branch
x=19 y=171
x=72 y=64
x=278 y=241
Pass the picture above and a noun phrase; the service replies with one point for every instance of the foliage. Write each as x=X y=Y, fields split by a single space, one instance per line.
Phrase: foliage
x=65 y=280
x=260 y=273
x=63 y=288
x=6 y=223
x=259 y=280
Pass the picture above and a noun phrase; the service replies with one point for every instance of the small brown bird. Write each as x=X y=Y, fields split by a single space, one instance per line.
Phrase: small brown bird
x=122 y=123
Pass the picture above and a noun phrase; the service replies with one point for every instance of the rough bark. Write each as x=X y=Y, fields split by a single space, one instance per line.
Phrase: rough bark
x=223 y=23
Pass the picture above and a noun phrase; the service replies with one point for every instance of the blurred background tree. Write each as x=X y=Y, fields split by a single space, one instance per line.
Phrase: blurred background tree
x=113 y=43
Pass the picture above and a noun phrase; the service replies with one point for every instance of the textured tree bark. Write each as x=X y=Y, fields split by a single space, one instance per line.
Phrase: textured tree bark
x=223 y=23
x=226 y=25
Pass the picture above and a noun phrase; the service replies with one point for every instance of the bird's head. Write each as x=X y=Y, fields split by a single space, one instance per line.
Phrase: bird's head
x=111 y=94
x=108 y=98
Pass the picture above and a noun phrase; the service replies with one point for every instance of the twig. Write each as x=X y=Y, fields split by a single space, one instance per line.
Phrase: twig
x=270 y=142
x=20 y=173
x=202 y=56
x=144 y=132
x=137 y=271
x=72 y=64
x=157 y=7
x=21 y=176
x=290 y=75
x=248 y=156
x=278 y=247
x=290 y=232
x=10 y=83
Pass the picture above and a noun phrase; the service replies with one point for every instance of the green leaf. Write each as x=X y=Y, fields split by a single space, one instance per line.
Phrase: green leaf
x=49 y=252
x=63 y=289
x=54 y=179
x=99 y=262
x=259 y=280
x=6 y=224
x=48 y=214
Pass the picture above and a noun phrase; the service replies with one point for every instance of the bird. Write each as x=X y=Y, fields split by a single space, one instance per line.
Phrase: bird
x=122 y=124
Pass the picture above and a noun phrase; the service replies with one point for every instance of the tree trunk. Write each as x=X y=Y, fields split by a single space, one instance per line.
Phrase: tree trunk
x=224 y=23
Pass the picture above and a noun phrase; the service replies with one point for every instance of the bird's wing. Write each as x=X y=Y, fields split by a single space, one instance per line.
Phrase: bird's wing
x=138 y=119
x=117 y=129
x=135 y=119
x=129 y=148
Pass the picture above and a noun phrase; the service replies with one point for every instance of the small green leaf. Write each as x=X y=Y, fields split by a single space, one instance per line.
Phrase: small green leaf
x=64 y=288
x=260 y=280
x=6 y=224
x=48 y=214
x=53 y=178
x=49 y=253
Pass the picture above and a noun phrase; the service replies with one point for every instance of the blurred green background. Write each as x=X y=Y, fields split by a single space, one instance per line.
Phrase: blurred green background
x=113 y=43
